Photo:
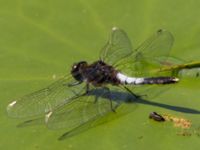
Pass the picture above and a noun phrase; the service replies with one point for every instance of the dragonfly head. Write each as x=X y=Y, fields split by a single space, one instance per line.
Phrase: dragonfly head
x=77 y=70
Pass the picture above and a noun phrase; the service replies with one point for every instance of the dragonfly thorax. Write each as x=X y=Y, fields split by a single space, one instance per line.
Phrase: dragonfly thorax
x=97 y=73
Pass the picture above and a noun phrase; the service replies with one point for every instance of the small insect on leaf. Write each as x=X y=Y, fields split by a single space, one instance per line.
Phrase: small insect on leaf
x=155 y=116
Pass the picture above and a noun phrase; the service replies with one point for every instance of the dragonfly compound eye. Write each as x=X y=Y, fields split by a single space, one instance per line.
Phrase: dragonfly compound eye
x=77 y=70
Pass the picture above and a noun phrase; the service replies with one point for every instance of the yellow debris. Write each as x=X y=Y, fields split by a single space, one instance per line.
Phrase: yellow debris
x=178 y=121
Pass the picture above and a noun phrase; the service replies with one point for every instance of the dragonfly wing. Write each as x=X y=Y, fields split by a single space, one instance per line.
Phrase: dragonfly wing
x=117 y=47
x=95 y=104
x=150 y=55
x=44 y=100
x=159 y=44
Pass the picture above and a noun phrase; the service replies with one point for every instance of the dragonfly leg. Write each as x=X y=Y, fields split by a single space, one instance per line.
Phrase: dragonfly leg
x=109 y=96
x=96 y=99
x=136 y=96
x=87 y=88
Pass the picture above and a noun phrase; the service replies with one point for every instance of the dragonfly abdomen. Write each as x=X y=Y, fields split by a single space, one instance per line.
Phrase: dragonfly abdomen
x=149 y=80
x=160 y=80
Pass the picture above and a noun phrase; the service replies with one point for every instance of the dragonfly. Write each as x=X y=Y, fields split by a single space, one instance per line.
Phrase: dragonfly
x=75 y=99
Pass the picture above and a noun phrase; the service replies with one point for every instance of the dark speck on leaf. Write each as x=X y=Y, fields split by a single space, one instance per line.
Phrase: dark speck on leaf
x=155 y=116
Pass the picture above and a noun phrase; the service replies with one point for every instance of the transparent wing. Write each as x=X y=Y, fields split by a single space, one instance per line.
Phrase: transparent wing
x=117 y=47
x=150 y=55
x=94 y=105
x=44 y=100
x=78 y=112
x=159 y=44
x=122 y=110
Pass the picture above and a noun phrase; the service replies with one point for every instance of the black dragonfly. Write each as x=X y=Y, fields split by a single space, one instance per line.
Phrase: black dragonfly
x=69 y=102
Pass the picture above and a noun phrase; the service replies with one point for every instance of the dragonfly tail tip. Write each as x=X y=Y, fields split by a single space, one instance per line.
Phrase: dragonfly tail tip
x=176 y=79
